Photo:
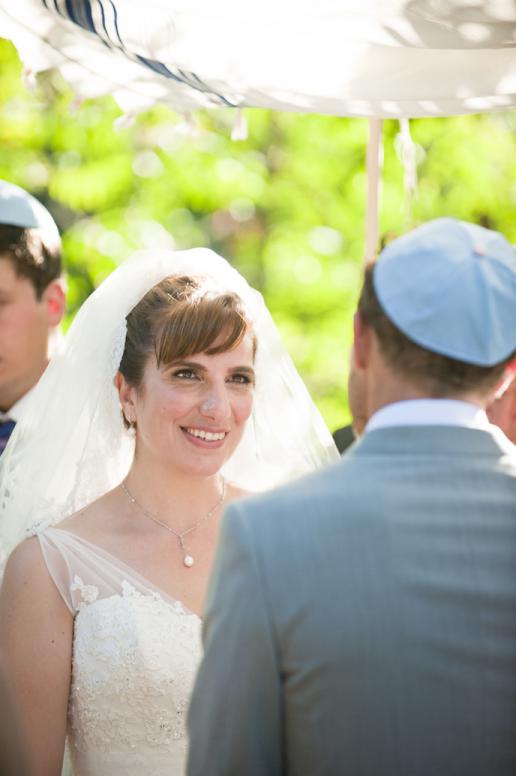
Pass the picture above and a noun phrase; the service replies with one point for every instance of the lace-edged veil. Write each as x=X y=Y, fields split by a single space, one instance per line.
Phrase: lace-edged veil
x=71 y=445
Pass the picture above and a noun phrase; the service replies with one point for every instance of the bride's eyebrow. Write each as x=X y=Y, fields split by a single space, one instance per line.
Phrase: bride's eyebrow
x=187 y=364
x=246 y=370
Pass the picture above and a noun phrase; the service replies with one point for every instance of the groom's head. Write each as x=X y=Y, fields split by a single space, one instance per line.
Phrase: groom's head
x=437 y=315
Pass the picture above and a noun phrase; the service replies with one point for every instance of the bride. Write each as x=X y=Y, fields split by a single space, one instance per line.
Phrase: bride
x=172 y=397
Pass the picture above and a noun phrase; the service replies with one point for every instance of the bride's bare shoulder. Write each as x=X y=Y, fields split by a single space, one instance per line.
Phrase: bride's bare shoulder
x=26 y=573
x=25 y=558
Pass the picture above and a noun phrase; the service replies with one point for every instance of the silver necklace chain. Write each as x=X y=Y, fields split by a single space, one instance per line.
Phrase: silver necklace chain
x=188 y=560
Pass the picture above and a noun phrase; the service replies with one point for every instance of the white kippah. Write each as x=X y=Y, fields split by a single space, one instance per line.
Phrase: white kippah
x=19 y=208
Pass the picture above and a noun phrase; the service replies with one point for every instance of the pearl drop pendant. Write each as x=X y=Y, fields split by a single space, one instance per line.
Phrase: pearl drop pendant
x=188 y=561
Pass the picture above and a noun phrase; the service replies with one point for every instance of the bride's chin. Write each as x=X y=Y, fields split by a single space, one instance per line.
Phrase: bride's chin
x=206 y=466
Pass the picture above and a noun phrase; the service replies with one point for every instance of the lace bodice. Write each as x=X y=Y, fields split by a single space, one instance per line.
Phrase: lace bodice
x=135 y=654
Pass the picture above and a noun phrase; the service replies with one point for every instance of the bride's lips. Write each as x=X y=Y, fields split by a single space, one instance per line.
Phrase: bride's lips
x=197 y=436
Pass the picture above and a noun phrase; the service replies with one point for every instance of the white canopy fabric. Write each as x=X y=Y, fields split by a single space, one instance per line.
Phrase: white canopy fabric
x=372 y=58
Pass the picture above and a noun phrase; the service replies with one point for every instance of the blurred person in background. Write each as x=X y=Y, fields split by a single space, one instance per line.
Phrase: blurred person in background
x=32 y=300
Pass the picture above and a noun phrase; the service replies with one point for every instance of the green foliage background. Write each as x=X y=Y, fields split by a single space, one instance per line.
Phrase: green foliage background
x=286 y=206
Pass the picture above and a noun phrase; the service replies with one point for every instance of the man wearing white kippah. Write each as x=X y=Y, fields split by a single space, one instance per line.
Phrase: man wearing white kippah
x=363 y=620
x=31 y=298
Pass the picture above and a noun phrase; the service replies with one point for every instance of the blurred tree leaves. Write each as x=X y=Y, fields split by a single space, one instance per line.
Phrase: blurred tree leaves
x=286 y=206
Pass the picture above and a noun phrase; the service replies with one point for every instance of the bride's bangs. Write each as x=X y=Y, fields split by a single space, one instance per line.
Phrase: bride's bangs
x=206 y=324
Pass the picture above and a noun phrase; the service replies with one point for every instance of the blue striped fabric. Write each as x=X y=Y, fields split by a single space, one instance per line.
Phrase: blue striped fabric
x=81 y=13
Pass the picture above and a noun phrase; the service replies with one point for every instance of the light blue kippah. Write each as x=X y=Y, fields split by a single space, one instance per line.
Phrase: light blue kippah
x=19 y=208
x=450 y=286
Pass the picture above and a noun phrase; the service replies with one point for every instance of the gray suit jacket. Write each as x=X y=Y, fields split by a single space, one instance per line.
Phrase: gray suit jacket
x=363 y=620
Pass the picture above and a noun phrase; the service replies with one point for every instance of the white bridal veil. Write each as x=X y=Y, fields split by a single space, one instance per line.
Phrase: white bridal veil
x=71 y=445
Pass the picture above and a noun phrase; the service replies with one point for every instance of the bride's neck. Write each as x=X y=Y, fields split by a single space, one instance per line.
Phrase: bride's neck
x=169 y=494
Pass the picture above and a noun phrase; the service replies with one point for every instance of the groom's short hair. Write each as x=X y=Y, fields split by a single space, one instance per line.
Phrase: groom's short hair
x=438 y=375
x=29 y=237
x=31 y=254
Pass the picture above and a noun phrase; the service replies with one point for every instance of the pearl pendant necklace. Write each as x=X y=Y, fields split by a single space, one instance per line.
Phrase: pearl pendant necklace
x=188 y=559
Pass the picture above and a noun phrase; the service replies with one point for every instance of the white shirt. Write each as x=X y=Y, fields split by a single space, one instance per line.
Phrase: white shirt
x=429 y=412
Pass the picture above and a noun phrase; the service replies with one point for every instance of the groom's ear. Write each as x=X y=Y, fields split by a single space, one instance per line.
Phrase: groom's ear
x=361 y=343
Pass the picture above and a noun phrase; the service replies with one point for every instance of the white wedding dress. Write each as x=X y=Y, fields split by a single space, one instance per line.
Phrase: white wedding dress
x=135 y=656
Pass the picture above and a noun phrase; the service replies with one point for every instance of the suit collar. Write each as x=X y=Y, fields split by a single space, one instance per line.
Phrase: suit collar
x=430 y=440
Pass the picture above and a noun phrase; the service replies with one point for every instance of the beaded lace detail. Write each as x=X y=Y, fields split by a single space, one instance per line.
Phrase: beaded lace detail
x=134 y=663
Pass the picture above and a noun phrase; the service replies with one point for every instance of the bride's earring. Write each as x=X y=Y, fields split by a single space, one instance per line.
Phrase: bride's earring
x=129 y=423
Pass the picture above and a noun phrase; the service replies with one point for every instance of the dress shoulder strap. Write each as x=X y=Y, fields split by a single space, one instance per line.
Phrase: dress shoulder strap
x=83 y=572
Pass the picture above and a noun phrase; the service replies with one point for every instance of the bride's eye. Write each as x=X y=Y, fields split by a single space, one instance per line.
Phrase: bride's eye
x=184 y=374
x=240 y=378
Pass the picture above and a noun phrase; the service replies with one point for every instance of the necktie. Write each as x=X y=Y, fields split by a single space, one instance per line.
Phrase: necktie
x=6 y=429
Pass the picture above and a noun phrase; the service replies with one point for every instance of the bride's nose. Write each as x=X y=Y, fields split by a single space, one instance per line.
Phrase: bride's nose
x=215 y=404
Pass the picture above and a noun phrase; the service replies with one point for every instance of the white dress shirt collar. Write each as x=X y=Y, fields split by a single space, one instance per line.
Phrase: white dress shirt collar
x=429 y=412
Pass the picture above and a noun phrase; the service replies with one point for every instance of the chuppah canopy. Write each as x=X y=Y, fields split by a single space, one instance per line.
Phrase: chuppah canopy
x=370 y=58
x=383 y=58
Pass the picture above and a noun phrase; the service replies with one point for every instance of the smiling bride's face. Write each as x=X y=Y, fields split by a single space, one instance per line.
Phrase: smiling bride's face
x=186 y=378
x=192 y=413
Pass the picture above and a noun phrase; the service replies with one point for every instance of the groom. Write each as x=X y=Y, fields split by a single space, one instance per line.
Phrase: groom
x=363 y=620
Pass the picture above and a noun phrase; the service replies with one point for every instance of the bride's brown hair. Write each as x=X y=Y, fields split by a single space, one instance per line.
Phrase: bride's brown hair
x=177 y=318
